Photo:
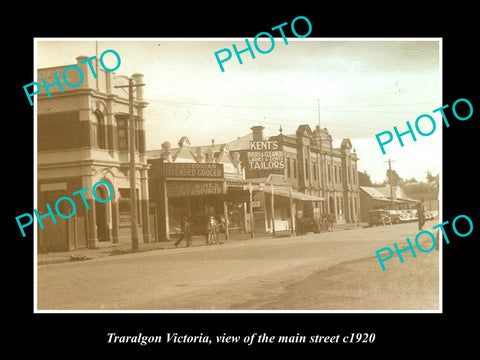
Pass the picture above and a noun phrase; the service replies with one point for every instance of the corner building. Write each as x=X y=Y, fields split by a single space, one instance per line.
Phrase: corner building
x=83 y=138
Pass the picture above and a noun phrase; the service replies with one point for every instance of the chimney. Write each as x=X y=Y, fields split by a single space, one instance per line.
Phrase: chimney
x=138 y=79
x=166 y=152
x=210 y=157
x=257 y=132
x=81 y=58
x=198 y=155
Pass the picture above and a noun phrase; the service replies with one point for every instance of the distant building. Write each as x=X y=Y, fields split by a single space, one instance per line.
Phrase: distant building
x=403 y=200
x=372 y=198
x=83 y=137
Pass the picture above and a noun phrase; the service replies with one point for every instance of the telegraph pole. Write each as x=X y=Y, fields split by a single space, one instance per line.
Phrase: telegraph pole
x=390 y=181
x=252 y=227
x=133 y=192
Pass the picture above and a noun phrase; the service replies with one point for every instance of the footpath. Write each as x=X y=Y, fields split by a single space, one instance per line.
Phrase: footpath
x=125 y=247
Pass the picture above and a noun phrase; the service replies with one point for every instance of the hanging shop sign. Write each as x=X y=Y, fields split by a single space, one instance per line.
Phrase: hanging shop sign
x=194 y=188
x=264 y=158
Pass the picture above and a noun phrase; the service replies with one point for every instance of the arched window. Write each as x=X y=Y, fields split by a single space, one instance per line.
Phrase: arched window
x=99 y=131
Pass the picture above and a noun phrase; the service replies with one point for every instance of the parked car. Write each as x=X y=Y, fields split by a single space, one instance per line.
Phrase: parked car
x=431 y=214
x=396 y=216
x=378 y=217
x=410 y=215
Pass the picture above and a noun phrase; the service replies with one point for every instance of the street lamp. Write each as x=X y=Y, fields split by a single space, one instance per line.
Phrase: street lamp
x=133 y=192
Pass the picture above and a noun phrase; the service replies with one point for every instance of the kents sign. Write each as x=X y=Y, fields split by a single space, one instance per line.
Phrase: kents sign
x=264 y=158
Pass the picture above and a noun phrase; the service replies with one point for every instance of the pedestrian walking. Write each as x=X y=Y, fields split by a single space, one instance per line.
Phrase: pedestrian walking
x=299 y=225
x=211 y=230
x=222 y=227
x=420 y=214
x=317 y=225
x=185 y=234
x=333 y=219
x=216 y=231
x=326 y=225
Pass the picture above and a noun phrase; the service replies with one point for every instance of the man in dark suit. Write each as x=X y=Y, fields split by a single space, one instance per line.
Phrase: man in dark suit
x=186 y=233
x=420 y=214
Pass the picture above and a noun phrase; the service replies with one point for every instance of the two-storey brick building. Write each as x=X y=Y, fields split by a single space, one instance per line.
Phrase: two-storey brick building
x=323 y=179
x=83 y=138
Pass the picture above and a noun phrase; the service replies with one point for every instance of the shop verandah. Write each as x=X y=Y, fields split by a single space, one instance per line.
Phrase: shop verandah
x=276 y=208
x=242 y=208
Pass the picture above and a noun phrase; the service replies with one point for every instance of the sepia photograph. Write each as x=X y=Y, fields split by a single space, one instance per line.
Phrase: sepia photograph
x=269 y=174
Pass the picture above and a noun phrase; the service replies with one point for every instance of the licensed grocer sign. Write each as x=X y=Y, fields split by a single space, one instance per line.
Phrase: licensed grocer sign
x=193 y=170
x=264 y=158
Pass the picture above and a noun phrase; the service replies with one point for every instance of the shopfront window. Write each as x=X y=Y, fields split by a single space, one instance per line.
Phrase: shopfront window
x=177 y=210
x=236 y=216
x=124 y=207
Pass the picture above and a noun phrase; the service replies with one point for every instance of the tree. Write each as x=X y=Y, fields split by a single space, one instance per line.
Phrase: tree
x=412 y=180
x=433 y=179
x=395 y=180
x=426 y=189
x=364 y=179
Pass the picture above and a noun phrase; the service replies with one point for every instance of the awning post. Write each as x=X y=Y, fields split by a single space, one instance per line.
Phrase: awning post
x=292 y=215
x=225 y=215
x=252 y=225
x=273 y=210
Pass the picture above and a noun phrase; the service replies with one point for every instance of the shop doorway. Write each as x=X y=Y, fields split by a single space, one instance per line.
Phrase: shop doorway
x=103 y=214
x=331 y=205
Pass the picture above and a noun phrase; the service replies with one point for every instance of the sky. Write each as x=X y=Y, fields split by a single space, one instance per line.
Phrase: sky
x=355 y=88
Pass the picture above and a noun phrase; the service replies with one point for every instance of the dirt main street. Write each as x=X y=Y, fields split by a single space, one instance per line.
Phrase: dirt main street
x=332 y=271
x=358 y=284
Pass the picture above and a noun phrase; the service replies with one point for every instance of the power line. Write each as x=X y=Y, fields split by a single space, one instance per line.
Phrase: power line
x=294 y=107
